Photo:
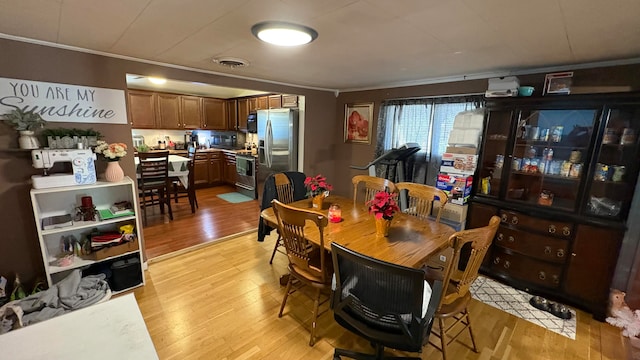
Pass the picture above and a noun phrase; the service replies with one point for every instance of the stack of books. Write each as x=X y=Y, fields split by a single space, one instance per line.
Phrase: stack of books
x=59 y=221
x=118 y=209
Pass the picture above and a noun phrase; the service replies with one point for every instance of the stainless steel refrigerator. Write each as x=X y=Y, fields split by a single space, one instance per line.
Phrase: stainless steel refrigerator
x=277 y=143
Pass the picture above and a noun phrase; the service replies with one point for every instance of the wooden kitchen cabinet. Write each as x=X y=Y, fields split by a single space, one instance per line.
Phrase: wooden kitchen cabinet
x=262 y=103
x=168 y=111
x=214 y=114
x=289 y=101
x=142 y=109
x=201 y=169
x=243 y=114
x=191 y=112
x=215 y=168
x=232 y=114
x=275 y=101
x=229 y=168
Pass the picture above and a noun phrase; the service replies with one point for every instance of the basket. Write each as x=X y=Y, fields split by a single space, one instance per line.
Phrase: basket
x=115 y=250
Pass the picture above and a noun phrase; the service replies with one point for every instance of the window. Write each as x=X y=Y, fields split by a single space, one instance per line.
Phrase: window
x=426 y=122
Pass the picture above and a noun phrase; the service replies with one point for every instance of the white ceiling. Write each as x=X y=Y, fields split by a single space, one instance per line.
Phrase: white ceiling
x=361 y=43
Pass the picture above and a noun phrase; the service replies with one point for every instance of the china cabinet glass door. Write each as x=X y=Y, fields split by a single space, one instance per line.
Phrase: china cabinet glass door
x=550 y=157
x=498 y=129
x=616 y=164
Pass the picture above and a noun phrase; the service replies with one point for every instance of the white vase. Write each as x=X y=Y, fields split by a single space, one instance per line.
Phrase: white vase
x=28 y=140
x=114 y=172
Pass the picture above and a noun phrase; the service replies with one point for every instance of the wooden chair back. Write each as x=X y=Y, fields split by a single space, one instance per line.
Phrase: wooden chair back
x=154 y=169
x=372 y=185
x=461 y=273
x=420 y=199
x=284 y=190
x=303 y=257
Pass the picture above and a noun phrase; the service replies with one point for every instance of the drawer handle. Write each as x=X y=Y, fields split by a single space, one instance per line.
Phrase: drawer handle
x=514 y=220
x=511 y=239
x=560 y=253
x=556 y=279
x=542 y=275
x=505 y=218
x=507 y=264
x=566 y=231
x=500 y=237
x=496 y=260
x=552 y=229
x=547 y=250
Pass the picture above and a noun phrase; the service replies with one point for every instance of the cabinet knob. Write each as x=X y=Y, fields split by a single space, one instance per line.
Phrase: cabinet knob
x=556 y=279
x=566 y=231
x=552 y=229
x=547 y=250
x=511 y=239
x=505 y=218
x=514 y=220
x=496 y=260
x=560 y=253
x=500 y=237
x=573 y=254
x=507 y=264
x=542 y=275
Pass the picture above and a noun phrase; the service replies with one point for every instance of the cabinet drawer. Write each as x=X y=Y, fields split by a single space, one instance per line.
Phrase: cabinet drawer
x=214 y=155
x=551 y=227
x=538 y=246
x=527 y=269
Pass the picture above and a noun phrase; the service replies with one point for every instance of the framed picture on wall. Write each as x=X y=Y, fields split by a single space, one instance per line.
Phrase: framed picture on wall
x=358 y=123
x=558 y=83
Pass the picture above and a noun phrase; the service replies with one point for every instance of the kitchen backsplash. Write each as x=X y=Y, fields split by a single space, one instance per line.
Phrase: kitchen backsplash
x=206 y=138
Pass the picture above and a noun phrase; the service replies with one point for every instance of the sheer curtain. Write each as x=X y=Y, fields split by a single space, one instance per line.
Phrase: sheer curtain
x=426 y=122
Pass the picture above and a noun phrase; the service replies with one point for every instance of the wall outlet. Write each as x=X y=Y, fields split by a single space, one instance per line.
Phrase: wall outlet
x=443 y=258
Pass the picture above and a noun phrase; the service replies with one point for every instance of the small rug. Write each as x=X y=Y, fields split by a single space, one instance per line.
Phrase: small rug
x=234 y=197
x=516 y=302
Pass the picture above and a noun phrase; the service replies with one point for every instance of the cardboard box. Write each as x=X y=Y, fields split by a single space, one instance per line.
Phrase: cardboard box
x=467 y=150
x=115 y=250
x=452 y=212
x=469 y=137
x=462 y=164
x=473 y=119
x=458 y=188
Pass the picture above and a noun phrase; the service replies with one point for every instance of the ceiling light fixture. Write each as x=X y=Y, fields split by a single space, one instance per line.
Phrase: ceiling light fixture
x=157 y=80
x=283 y=33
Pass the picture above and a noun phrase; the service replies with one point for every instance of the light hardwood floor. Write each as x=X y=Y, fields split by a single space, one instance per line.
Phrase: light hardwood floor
x=221 y=302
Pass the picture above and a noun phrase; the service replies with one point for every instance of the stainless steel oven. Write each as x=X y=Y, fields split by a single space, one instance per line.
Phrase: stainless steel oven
x=246 y=175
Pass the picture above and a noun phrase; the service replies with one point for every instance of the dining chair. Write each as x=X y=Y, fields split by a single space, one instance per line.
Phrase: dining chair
x=420 y=199
x=387 y=304
x=461 y=271
x=372 y=185
x=284 y=194
x=309 y=265
x=154 y=182
x=179 y=190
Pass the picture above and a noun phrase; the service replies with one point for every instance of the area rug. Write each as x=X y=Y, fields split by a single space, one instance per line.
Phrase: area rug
x=234 y=197
x=516 y=302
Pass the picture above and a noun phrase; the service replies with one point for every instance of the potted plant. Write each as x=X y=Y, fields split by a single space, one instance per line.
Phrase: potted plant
x=64 y=138
x=317 y=189
x=25 y=122
x=383 y=206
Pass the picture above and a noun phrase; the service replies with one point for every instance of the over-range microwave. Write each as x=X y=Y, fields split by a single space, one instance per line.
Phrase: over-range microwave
x=252 y=123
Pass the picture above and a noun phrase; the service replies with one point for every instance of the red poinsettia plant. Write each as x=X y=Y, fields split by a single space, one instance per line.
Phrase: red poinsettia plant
x=317 y=185
x=383 y=205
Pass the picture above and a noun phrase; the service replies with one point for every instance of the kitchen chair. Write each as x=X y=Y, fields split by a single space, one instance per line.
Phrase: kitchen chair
x=284 y=194
x=420 y=199
x=387 y=304
x=154 y=181
x=308 y=265
x=459 y=274
x=372 y=185
x=189 y=192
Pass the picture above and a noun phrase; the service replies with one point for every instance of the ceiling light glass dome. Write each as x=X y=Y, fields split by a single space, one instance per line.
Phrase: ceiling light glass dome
x=283 y=34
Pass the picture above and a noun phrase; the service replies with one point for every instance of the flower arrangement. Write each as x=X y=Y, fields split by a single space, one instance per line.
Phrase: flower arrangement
x=317 y=185
x=383 y=205
x=111 y=152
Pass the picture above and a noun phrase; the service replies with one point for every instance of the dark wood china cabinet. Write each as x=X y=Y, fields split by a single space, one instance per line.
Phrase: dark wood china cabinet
x=560 y=172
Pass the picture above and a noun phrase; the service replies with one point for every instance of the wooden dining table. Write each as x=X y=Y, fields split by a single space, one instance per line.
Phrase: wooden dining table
x=411 y=241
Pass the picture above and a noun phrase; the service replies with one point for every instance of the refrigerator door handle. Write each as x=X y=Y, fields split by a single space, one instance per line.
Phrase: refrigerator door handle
x=268 y=143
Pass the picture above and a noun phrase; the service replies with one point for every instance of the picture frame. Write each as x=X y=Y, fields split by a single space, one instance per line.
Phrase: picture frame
x=558 y=83
x=358 y=123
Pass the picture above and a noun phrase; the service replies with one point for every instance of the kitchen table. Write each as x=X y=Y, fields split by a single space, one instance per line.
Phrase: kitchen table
x=411 y=241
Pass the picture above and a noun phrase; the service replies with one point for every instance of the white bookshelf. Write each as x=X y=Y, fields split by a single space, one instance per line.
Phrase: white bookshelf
x=64 y=200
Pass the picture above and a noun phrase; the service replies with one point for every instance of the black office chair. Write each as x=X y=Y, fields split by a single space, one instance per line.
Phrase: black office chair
x=382 y=302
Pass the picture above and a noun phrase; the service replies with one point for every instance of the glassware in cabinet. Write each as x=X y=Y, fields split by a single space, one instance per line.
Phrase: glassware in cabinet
x=494 y=153
x=549 y=154
x=616 y=164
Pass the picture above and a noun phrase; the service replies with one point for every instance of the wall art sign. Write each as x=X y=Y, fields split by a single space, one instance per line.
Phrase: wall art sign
x=63 y=102
x=358 y=122
x=558 y=83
